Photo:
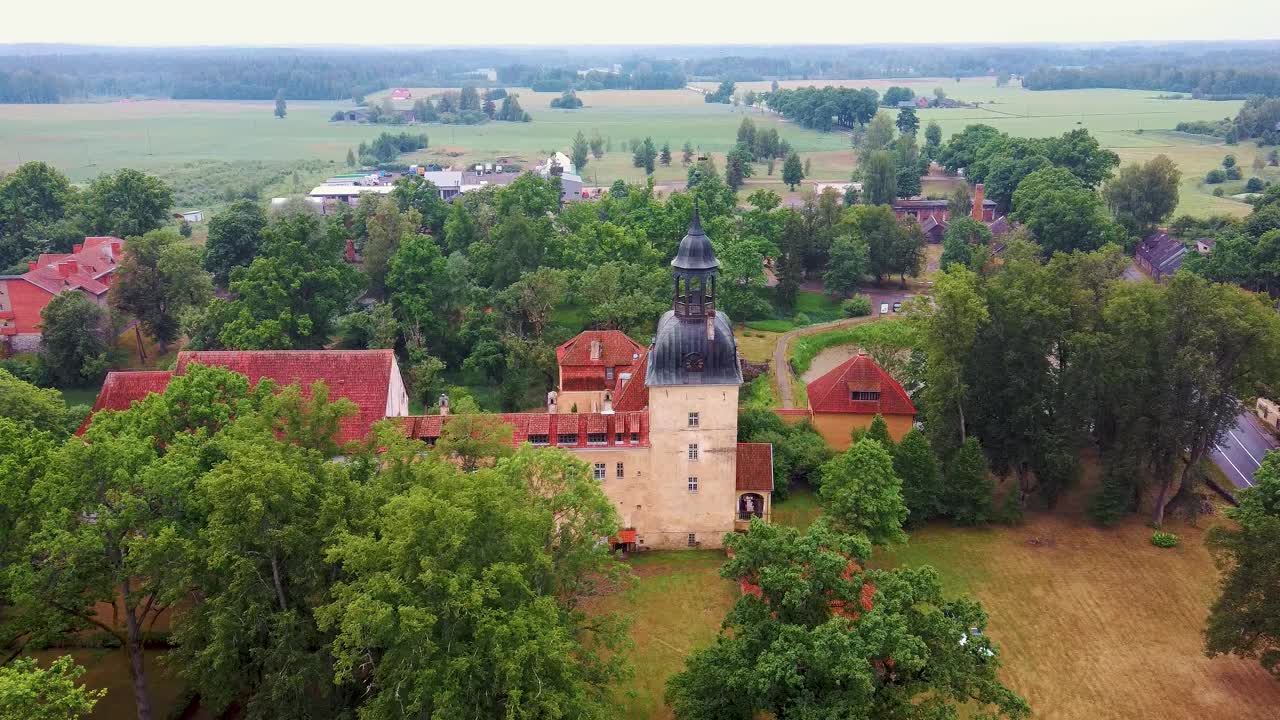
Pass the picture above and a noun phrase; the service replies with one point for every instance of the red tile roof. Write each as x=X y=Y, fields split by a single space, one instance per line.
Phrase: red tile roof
x=429 y=427
x=88 y=268
x=616 y=349
x=755 y=467
x=121 y=389
x=634 y=395
x=361 y=376
x=831 y=392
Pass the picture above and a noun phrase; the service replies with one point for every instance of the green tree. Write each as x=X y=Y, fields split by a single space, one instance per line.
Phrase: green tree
x=644 y=155
x=1243 y=621
x=737 y=167
x=158 y=279
x=812 y=641
x=961 y=150
x=846 y=265
x=907 y=122
x=38 y=408
x=932 y=140
x=879 y=229
x=281 y=108
x=879 y=179
x=879 y=134
x=860 y=492
x=792 y=171
x=75 y=339
x=419 y=290
x=126 y=203
x=580 y=151
x=35 y=201
x=664 y=157
x=967 y=497
x=387 y=229
x=878 y=430
x=290 y=295
x=1144 y=195
x=962 y=235
x=498 y=626
x=416 y=193
x=1062 y=214
x=235 y=235
x=30 y=692
x=686 y=153
x=351 y=158
x=597 y=145
x=917 y=467
x=747 y=132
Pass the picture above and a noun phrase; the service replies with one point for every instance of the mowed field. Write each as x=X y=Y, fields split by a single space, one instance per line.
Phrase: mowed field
x=205 y=147
x=1092 y=624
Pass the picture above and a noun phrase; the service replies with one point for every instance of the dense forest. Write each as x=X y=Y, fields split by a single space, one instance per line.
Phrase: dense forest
x=37 y=74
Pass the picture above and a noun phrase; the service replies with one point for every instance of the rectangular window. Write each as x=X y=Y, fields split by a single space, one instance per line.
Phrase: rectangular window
x=567 y=439
x=693 y=419
x=860 y=395
x=620 y=474
x=693 y=484
x=635 y=438
x=599 y=471
x=608 y=374
x=539 y=440
x=693 y=451
x=620 y=438
x=597 y=438
x=693 y=539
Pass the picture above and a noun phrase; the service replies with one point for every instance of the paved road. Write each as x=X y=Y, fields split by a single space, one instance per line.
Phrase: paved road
x=1241 y=451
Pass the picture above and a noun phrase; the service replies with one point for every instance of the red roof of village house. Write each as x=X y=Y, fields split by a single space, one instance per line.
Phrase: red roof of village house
x=616 y=349
x=87 y=269
x=831 y=392
x=755 y=467
x=361 y=376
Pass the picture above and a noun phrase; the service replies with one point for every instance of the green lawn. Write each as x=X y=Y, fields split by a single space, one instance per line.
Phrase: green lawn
x=80 y=396
x=889 y=333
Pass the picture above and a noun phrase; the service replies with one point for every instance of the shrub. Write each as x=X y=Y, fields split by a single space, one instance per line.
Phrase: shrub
x=1215 y=176
x=856 y=306
x=1217 y=192
x=1234 y=173
x=1254 y=185
x=801 y=320
x=1163 y=539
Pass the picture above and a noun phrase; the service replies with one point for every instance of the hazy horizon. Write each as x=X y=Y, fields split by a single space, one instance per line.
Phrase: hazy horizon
x=556 y=23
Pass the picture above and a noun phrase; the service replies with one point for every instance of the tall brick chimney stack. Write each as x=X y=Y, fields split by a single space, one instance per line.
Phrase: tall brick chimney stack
x=979 y=195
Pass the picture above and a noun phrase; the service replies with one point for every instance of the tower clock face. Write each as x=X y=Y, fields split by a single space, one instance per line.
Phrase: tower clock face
x=694 y=362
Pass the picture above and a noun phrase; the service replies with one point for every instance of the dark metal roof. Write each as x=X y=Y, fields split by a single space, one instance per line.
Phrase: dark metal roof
x=682 y=345
x=695 y=251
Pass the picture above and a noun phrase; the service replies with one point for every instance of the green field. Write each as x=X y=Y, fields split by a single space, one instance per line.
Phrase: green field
x=204 y=148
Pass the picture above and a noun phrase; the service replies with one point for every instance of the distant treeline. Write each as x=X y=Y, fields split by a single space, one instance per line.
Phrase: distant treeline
x=821 y=108
x=71 y=72
x=1251 y=69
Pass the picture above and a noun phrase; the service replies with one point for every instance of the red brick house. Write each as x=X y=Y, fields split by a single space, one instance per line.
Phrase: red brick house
x=88 y=268
x=591 y=363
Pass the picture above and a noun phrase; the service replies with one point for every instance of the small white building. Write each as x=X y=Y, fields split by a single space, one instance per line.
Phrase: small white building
x=192 y=216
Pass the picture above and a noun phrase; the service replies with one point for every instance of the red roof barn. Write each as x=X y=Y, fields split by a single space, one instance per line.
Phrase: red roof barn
x=851 y=395
x=88 y=268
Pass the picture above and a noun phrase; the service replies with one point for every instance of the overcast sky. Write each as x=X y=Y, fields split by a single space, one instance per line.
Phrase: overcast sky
x=559 y=22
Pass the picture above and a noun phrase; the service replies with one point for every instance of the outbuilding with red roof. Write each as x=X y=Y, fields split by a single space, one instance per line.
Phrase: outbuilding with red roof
x=88 y=269
x=851 y=395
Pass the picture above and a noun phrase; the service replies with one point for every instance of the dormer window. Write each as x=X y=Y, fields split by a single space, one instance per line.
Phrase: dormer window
x=608 y=374
x=864 y=395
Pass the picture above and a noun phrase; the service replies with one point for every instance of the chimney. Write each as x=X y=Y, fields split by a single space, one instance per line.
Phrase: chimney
x=552 y=402
x=608 y=404
x=444 y=404
x=67 y=268
x=351 y=251
x=595 y=350
x=77 y=248
x=979 y=196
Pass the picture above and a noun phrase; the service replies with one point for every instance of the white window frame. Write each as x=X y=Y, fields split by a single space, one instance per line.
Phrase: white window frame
x=694 y=451
x=691 y=484
x=695 y=419
x=598 y=471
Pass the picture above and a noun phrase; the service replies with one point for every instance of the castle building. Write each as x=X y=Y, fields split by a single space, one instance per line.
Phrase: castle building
x=657 y=425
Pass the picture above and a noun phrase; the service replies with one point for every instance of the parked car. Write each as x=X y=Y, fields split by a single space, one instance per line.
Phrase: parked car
x=897 y=307
x=884 y=308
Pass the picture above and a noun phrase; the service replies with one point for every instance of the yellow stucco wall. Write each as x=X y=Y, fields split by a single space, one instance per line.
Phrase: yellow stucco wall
x=588 y=401
x=837 y=428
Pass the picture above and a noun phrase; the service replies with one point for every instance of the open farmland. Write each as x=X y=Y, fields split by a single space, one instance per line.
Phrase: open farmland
x=204 y=148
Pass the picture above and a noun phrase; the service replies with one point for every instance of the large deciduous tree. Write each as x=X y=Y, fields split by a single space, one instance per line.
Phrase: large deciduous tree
x=126 y=203
x=792 y=171
x=31 y=692
x=861 y=493
x=1144 y=195
x=1061 y=212
x=158 y=279
x=1245 y=619
x=75 y=339
x=879 y=178
x=35 y=203
x=235 y=235
x=820 y=636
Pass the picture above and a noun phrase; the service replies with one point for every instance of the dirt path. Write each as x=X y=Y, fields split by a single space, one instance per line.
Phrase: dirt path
x=782 y=368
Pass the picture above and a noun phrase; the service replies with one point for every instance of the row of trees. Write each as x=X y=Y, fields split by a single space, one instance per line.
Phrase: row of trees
x=826 y=108
x=1230 y=78
x=293 y=583
x=1039 y=359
